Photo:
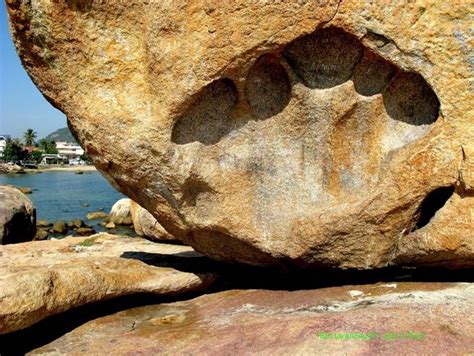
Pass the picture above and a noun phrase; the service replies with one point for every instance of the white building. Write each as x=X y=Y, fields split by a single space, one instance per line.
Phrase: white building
x=3 y=143
x=68 y=150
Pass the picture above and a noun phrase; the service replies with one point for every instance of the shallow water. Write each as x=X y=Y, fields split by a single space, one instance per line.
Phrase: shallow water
x=63 y=195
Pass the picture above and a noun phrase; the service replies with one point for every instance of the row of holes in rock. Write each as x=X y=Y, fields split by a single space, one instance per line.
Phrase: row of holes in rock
x=321 y=60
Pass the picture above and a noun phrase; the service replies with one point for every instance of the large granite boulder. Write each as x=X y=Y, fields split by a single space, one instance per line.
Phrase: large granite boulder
x=146 y=225
x=287 y=133
x=17 y=216
x=43 y=278
x=380 y=319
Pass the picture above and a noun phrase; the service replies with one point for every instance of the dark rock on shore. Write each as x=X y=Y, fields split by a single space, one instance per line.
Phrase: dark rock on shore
x=59 y=227
x=41 y=234
x=17 y=216
x=43 y=223
x=85 y=231
x=77 y=223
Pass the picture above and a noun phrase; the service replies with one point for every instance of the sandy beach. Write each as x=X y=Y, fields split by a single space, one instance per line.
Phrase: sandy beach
x=65 y=169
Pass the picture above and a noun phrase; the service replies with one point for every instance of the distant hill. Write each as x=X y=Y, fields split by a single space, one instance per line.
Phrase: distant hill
x=61 y=135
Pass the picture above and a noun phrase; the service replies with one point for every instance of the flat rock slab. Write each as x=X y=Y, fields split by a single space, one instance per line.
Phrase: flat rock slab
x=380 y=319
x=39 y=279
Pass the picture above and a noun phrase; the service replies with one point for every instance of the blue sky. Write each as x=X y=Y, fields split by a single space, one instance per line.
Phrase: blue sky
x=22 y=106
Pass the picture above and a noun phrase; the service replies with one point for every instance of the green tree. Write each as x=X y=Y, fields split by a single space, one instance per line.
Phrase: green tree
x=48 y=146
x=35 y=156
x=29 y=137
x=14 y=151
x=85 y=157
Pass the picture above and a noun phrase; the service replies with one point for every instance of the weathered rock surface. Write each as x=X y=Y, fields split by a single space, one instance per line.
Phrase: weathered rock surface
x=17 y=216
x=97 y=215
x=39 y=279
x=41 y=234
x=121 y=208
x=381 y=319
x=10 y=168
x=85 y=231
x=146 y=225
x=120 y=213
x=59 y=227
x=43 y=223
x=296 y=133
x=25 y=190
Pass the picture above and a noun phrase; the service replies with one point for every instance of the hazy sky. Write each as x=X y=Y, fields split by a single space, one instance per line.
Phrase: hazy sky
x=22 y=106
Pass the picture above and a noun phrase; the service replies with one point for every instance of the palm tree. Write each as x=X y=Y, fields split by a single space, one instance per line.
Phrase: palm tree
x=29 y=137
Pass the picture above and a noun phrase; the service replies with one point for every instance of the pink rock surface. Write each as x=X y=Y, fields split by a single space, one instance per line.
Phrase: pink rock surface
x=399 y=319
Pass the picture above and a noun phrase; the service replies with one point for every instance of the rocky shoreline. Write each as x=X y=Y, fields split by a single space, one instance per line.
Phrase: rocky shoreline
x=395 y=309
x=16 y=169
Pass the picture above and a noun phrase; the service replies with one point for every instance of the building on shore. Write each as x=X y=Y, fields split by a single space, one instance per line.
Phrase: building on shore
x=69 y=151
x=3 y=142
x=51 y=158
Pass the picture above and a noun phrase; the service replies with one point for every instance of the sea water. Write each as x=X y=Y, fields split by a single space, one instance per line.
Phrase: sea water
x=65 y=195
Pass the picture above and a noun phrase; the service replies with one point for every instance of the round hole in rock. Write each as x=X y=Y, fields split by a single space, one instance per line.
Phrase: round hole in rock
x=79 y=5
x=267 y=87
x=208 y=118
x=409 y=98
x=325 y=58
x=372 y=74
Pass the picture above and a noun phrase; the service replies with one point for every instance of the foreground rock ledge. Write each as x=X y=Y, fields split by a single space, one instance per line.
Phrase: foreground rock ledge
x=39 y=279
x=280 y=132
x=381 y=319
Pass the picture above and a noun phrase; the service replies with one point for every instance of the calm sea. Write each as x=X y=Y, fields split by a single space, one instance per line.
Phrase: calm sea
x=64 y=195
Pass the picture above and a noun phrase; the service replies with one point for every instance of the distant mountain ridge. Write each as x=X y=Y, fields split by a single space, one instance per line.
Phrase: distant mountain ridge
x=61 y=135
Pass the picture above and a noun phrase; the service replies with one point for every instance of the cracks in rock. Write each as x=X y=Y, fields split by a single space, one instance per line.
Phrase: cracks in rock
x=462 y=187
x=133 y=326
x=335 y=307
x=376 y=38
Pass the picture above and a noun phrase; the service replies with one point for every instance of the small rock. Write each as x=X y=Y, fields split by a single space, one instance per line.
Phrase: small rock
x=78 y=223
x=59 y=227
x=85 y=205
x=85 y=231
x=97 y=215
x=25 y=190
x=110 y=225
x=100 y=209
x=41 y=234
x=43 y=223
